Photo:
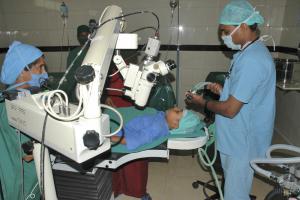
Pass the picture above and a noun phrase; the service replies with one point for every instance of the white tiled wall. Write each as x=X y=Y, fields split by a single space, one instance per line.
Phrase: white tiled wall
x=38 y=22
x=288 y=107
x=291 y=24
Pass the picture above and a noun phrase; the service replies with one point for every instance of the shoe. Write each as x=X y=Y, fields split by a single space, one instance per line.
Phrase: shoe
x=146 y=197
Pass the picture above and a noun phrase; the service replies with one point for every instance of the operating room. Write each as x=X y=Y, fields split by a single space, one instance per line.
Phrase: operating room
x=179 y=42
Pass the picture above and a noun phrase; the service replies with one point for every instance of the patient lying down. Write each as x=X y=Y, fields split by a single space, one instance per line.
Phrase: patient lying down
x=145 y=129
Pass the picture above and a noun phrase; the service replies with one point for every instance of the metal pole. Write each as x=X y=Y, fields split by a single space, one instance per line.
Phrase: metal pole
x=177 y=58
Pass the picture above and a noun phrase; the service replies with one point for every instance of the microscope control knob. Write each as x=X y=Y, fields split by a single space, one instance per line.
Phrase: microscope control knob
x=84 y=74
x=151 y=77
x=91 y=140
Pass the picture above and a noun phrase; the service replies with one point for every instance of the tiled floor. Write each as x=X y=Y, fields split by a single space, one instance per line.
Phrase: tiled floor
x=172 y=179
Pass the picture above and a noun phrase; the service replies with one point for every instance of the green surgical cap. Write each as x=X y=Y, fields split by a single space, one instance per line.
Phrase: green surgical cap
x=82 y=28
x=188 y=123
x=240 y=11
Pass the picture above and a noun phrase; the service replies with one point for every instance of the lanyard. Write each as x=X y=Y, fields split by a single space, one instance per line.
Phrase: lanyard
x=241 y=52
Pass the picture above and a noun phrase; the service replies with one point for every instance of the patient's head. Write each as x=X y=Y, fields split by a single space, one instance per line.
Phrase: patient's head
x=173 y=116
x=181 y=121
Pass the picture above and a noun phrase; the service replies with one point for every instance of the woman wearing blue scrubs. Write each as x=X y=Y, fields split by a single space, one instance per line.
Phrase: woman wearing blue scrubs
x=245 y=111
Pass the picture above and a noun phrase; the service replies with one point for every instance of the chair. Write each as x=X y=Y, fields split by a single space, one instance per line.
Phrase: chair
x=216 y=77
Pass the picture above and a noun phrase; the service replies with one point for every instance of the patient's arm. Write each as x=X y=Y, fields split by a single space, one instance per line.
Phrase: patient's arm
x=118 y=139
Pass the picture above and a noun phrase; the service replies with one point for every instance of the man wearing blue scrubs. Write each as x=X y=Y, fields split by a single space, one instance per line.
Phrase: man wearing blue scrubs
x=245 y=111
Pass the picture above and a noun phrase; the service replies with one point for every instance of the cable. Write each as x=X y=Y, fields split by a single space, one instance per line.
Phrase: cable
x=143 y=28
x=129 y=14
x=72 y=63
x=119 y=115
x=114 y=89
x=21 y=163
x=48 y=101
x=111 y=75
x=42 y=159
x=32 y=195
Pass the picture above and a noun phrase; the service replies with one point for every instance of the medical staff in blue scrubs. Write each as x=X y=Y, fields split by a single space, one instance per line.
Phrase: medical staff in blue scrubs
x=245 y=111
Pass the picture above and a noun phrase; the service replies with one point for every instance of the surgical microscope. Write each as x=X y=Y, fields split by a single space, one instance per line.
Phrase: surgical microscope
x=81 y=132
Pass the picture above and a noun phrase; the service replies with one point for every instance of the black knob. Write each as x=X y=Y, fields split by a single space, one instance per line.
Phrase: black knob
x=195 y=184
x=151 y=77
x=91 y=140
x=85 y=74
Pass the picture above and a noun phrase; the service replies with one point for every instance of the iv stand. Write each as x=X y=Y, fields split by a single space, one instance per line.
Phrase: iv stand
x=173 y=5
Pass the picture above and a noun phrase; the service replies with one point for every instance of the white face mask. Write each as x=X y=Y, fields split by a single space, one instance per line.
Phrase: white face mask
x=229 y=42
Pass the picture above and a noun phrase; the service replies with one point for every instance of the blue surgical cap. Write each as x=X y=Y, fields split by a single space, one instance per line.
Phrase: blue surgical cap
x=19 y=55
x=187 y=124
x=240 y=11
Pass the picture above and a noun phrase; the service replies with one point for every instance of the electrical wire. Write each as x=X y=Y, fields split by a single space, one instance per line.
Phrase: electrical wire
x=21 y=164
x=47 y=103
x=113 y=74
x=72 y=63
x=42 y=159
x=127 y=59
x=129 y=14
x=143 y=28
x=32 y=195
x=114 y=89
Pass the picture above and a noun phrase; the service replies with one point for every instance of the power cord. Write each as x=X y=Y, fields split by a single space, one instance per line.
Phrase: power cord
x=129 y=14
x=42 y=159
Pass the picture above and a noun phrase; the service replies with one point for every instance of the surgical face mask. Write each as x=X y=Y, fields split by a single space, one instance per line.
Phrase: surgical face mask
x=229 y=42
x=37 y=80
